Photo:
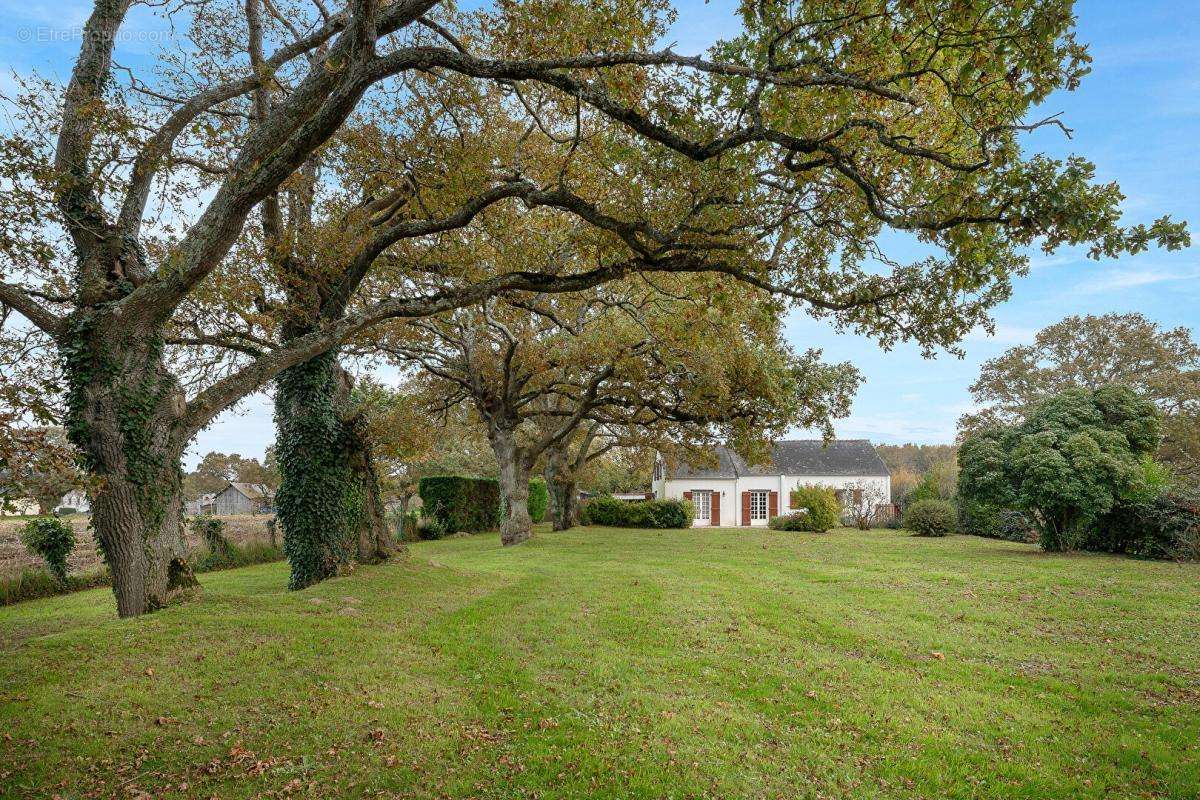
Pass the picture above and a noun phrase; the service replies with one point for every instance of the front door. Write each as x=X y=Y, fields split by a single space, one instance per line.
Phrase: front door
x=759 y=501
x=702 y=502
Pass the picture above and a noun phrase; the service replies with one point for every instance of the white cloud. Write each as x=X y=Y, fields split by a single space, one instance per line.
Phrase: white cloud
x=1120 y=278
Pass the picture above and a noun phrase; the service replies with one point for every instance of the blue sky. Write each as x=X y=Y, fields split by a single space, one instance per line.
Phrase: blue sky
x=1137 y=116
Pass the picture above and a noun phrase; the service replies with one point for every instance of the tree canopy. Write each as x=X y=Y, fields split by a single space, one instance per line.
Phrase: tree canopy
x=1092 y=351
x=1067 y=463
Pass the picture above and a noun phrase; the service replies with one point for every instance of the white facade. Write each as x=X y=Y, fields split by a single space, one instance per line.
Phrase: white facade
x=730 y=492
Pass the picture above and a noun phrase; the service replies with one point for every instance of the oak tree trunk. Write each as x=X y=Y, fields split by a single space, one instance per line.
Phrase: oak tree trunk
x=375 y=542
x=123 y=411
x=516 y=526
x=315 y=502
x=328 y=500
x=563 y=490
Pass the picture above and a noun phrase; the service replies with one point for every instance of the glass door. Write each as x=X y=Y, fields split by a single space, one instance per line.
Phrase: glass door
x=702 y=500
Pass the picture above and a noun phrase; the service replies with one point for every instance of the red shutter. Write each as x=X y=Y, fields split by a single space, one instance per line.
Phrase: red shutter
x=716 y=508
x=687 y=496
x=773 y=506
x=745 y=508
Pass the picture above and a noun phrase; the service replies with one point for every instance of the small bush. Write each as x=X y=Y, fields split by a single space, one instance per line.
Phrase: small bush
x=461 y=504
x=272 y=524
x=53 y=540
x=65 y=511
x=818 y=508
x=605 y=510
x=212 y=532
x=404 y=525
x=796 y=521
x=930 y=518
x=539 y=499
x=430 y=528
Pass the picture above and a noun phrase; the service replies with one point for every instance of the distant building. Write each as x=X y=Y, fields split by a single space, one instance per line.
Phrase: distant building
x=201 y=505
x=242 y=498
x=76 y=499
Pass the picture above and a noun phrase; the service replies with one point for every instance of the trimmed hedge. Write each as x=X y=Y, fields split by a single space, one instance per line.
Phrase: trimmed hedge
x=605 y=510
x=816 y=509
x=931 y=518
x=539 y=499
x=459 y=503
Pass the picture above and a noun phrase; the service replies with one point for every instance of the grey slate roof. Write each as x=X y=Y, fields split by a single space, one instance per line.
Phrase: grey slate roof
x=852 y=457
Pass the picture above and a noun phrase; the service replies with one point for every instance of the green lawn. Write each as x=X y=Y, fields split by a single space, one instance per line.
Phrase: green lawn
x=599 y=662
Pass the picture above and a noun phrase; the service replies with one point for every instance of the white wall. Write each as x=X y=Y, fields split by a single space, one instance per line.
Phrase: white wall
x=731 y=489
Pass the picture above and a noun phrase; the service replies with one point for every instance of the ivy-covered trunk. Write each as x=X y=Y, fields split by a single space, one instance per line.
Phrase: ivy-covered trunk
x=563 y=489
x=516 y=525
x=123 y=412
x=317 y=505
x=328 y=500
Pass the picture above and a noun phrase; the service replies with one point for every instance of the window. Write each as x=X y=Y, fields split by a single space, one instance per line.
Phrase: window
x=702 y=500
x=758 y=505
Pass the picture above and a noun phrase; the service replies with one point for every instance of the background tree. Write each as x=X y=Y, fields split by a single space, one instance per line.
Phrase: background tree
x=1066 y=464
x=1093 y=351
x=555 y=377
x=44 y=471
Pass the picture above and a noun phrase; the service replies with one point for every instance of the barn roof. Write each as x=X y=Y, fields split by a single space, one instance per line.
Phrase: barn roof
x=254 y=491
x=843 y=457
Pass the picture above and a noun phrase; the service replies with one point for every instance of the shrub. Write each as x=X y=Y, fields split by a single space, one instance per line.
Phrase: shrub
x=817 y=505
x=795 y=521
x=272 y=524
x=430 y=528
x=605 y=510
x=404 y=525
x=212 y=531
x=930 y=518
x=539 y=499
x=1166 y=525
x=65 y=511
x=461 y=504
x=53 y=540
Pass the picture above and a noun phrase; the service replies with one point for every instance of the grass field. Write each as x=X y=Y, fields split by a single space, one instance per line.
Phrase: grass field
x=616 y=663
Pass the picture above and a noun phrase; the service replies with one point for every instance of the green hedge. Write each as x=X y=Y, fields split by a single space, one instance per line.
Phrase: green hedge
x=461 y=504
x=606 y=510
x=539 y=499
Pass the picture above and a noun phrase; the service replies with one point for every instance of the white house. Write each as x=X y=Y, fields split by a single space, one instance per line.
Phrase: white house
x=733 y=493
